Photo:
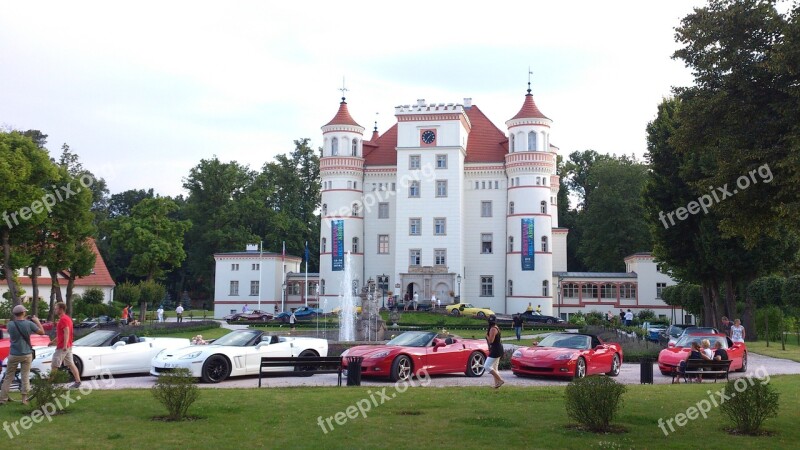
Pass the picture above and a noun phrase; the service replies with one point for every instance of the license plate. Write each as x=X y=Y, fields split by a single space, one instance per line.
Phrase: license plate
x=170 y=365
x=344 y=372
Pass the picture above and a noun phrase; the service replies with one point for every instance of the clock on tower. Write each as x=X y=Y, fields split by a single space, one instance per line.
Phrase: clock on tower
x=427 y=138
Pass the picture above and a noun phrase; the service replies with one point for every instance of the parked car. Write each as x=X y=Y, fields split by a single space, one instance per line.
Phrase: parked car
x=654 y=332
x=535 y=317
x=569 y=355
x=94 y=322
x=256 y=315
x=691 y=329
x=469 y=310
x=236 y=354
x=5 y=343
x=414 y=351
x=302 y=313
x=671 y=356
x=108 y=351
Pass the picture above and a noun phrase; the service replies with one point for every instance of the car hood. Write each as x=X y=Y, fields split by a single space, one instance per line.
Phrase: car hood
x=183 y=351
x=673 y=354
x=547 y=352
x=369 y=350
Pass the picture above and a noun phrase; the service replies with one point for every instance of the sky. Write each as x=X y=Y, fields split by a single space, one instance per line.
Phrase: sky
x=144 y=90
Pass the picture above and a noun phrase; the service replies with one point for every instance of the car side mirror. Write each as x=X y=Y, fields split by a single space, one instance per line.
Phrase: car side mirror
x=118 y=345
x=671 y=344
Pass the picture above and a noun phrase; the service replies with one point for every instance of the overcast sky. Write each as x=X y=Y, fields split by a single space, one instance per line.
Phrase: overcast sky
x=143 y=90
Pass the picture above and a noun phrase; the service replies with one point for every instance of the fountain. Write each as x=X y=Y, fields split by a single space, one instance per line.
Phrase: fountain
x=347 y=303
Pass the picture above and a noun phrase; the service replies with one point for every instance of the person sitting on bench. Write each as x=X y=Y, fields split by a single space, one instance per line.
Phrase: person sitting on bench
x=720 y=354
x=696 y=353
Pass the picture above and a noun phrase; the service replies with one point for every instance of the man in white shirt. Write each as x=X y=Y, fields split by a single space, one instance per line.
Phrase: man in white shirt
x=416 y=300
x=179 y=312
x=433 y=300
x=160 y=313
x=629 y=318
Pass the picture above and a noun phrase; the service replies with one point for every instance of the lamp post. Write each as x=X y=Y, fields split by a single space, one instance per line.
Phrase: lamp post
x=283 y=297
x=383 y=281
x=458 y=279
x=559 y=296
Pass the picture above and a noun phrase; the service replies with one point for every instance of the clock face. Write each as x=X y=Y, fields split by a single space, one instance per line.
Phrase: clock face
x=428 y=136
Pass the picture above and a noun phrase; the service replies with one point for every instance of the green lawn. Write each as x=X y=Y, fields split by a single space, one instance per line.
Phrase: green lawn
x=792 y=349
x=211 y=333
x=464 y=417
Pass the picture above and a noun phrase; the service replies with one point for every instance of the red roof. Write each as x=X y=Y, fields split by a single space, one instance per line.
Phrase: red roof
x=529 y=109
x=342 y=116
x=100 y=278
x=381 y=152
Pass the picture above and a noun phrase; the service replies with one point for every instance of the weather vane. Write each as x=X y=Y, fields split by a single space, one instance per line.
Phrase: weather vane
x=530 y=72
x=376 y=120
x=343 y=89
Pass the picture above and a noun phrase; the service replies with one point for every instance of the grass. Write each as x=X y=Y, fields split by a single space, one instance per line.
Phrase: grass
x=211 y=333
x=463 y=417
x=792 y=351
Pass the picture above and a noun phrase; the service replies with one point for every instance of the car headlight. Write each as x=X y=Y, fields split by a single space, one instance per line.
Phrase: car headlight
x=160 y=353
x=192 y=355
x=45 y=354
x=517 y=353
x=382 y=354
x=563 y=356
x=344 y=353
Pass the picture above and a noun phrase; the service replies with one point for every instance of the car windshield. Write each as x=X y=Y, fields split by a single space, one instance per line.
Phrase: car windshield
x=686 y=341
x=566 y=341
x=466 y=305
x=675 y=331
x=237 y=338
x=94 y=339
x=412 y=339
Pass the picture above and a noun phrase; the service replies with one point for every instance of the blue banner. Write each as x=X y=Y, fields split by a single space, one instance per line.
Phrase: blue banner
x=528 y=243
x=337 y=245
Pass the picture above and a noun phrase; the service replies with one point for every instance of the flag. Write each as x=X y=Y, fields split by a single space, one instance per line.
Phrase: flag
x=306 y=251
x=283 y=253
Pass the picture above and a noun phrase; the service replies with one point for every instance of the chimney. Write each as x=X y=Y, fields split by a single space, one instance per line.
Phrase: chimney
x=420 y=102
x=467 y=102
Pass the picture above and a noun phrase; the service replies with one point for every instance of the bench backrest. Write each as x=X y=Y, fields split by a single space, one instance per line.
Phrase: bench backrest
x=328 y=361
x=692 y=364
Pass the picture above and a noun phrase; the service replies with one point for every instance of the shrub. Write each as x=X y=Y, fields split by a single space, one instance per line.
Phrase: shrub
x=774 y=316
x=505 y=360
x=177 y=391
x=747 y=409
x=594 y=401
x=646 y=315
x=578 y=319
x=595 y=318
x=45 y=389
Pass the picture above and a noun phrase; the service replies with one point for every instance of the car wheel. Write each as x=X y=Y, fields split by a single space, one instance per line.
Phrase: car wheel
x=216 y=369
x=580 y=368
x=475 y=364
x=614 y=366
x=78 y=365
x=481 y=315
x=308 y=368
x=744 y=363
x=549 y=320
x=264 y=318
x=401 y=368
x=455 y=312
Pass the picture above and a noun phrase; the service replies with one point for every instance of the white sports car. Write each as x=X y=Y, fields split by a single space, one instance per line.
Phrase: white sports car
x=106 y=351
x=235 y=354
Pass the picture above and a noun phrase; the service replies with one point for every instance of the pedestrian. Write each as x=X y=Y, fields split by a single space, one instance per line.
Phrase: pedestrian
x=538 y=309
x=726 y=326
x=622 y=316
x=20 y=352
x=160 y=313
x=406 y=301
x=63 y=353
x=493 y=338
x=415 y=302
x=629 y=318
x=179 y=313
x=244 y=309
x=529 y=308
x=517 y=319
x=720 y=354
x=292 y=320
x=737 y=331
x=433 y=300
x=124 y=319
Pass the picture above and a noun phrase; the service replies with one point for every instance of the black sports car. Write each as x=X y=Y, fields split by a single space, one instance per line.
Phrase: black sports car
x=534 y=317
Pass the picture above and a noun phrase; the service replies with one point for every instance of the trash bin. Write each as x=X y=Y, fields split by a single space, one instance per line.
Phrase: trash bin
x=646 y=371
x=354 y=370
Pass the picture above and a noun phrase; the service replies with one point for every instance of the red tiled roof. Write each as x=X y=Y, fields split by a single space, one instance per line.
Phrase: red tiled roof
x=381 y=152
x=100 y=278
x=529 y=110
x=486 y=143
x=342 y=116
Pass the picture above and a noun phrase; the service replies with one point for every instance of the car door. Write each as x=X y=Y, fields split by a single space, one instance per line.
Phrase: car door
x=128 y=358
x=266 y=350
x=446 y=359
x=598 y=358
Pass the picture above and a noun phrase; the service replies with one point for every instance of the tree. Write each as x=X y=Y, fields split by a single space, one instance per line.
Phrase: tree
x=578 y=169
x=127 y=293
x=151 y=293
x=119 y=205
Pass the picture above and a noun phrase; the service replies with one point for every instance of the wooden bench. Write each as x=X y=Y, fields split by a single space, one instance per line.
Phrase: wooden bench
x=701 y=367
x=307 y=365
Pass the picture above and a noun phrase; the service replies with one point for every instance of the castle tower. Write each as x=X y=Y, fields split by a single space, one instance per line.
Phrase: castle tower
x=530 y=167
x=341 y=175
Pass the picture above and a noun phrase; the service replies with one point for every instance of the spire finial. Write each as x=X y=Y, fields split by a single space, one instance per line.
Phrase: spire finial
x=343 y=89
x=530 y=72
x=376 y=122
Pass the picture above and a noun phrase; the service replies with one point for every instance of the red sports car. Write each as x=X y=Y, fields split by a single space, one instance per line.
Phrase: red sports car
x=672 y=356
x=414 y=351
x=569 y=355
x=36 y=341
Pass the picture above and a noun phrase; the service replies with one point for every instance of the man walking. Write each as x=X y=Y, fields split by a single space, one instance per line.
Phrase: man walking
x=179 y=312
x=518 y=325
x=63 y=353
x=629 y=318
x=20 y=352
x=292 y=320
x=160 y=313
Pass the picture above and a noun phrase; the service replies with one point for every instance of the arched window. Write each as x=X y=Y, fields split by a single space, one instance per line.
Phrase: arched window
x=324 y=245
x=510 y=244
x=510 y=288
x=608 y=290
x=531 y=141
x=355 y=147
x=324 y=209
x=544 y=243
x=543 y=207
x=355 y=209
x=538 y=181
x=511 y=207
x=334 y=146
x=545 y=288
x=511 y=143
x=355 y=245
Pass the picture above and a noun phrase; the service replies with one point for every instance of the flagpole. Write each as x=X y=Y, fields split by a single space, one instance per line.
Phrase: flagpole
x=306 y=286
x=283 y=266
x=260 y=263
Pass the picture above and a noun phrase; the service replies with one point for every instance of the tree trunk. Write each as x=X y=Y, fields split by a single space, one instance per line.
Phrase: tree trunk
x=730 y=297
x=9 y=272
x=716 y=305
x=35 y=289
x=51 y=314
x=70 y=286
x=142 y=311
x=708 y=306
x=748 y=319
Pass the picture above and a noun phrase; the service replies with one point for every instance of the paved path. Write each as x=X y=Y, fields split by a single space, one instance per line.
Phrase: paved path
x=629 y=374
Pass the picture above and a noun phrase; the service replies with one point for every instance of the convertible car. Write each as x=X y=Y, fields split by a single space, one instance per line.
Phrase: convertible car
x=302 y=313
x=5 y=343
x=235 y=354
x=672 y=356
x=414 y=351
x=107 y=351
x=534 y=317
x=469 y=310
x=250 y=315
x=568 y=355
